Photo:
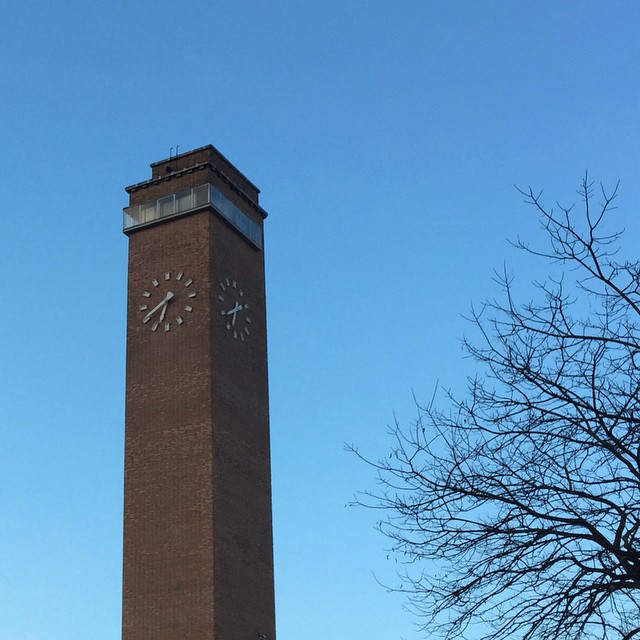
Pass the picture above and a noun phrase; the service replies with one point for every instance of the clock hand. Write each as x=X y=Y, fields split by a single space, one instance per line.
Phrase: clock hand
x=232 y=312
x=162 y=303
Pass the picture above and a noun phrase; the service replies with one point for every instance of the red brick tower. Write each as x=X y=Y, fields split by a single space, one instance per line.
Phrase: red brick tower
x=198 y=557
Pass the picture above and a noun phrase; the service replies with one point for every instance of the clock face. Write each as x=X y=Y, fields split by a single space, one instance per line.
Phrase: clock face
x=234 y=309
x=168 y=301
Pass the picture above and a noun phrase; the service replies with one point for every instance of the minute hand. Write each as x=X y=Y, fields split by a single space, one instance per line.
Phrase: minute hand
x=160 y=304
x=234 y=311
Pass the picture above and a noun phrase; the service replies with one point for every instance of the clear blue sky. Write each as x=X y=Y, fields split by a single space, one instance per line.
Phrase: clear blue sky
x=386 y=138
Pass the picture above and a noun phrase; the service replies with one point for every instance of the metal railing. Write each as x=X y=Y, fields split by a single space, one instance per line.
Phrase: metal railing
x=182 y=202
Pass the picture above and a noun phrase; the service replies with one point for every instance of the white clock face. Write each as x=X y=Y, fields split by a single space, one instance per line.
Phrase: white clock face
x=167 y=302
x=234 y=309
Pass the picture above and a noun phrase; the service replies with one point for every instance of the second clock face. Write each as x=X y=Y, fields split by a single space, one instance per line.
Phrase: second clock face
x=168 y=301
x=234 y=309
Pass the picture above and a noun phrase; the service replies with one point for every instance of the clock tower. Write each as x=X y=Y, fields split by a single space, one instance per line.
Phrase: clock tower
x=198 y=553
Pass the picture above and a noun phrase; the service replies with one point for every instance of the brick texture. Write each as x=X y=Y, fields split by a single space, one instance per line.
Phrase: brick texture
x=198 y=559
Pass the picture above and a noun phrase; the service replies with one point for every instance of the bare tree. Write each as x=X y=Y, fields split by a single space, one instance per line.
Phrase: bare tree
x=524 y=495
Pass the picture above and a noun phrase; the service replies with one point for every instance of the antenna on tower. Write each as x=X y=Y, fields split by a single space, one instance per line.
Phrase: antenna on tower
x=170 y=153
x=177 y=147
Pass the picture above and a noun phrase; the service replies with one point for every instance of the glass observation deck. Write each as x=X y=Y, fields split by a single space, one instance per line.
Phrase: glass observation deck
x=180 y=203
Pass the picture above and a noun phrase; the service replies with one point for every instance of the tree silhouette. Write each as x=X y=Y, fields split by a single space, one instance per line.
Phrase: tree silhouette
x=524 y=495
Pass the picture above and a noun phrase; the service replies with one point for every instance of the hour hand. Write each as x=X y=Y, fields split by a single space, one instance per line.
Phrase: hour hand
x=234 y=311
x=162 y=303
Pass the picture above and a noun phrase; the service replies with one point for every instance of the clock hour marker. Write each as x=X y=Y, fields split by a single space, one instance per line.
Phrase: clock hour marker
x=143 y=307
x=167 y=275
x=155 y=326
x=228 y=282
x=221 y=298
x=223 y=287
x=179 y=276
x=192 y=294
x=246 y=330
x=146 y=294
x=248 y=320
x=188 y=283
x=167 y=326
x=179 y=319
x=155 y=282
x=188 y=308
